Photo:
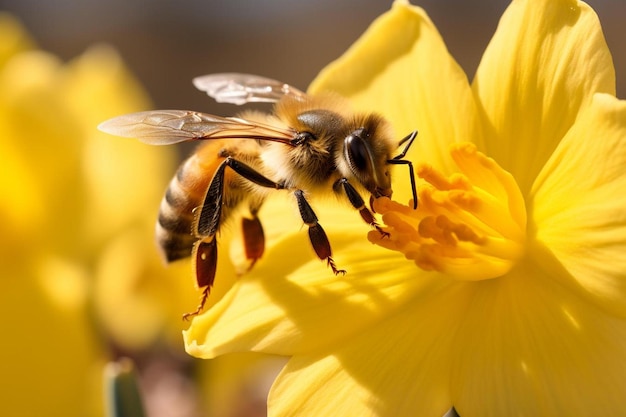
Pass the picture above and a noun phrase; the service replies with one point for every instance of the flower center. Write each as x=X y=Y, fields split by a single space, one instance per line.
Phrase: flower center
x=470 y=225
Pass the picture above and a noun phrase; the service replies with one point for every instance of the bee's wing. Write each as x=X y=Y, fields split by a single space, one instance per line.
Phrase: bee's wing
x=164 y=127
x=239 y=89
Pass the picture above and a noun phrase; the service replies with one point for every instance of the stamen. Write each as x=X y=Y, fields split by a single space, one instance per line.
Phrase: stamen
x=470 y=225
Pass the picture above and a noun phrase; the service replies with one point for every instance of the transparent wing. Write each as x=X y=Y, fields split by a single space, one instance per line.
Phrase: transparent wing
x=240 y=89
x=164 y=127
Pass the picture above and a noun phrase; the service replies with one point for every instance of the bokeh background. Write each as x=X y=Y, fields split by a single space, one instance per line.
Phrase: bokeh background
x=167 y=43
x=83 y=285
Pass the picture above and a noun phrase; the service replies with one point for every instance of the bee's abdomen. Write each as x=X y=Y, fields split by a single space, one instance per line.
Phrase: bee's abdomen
x=176 y=214
x=188 y=189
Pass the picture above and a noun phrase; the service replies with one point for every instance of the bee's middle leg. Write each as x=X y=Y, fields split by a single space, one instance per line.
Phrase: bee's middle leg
x=253 y=237
x=317 y=236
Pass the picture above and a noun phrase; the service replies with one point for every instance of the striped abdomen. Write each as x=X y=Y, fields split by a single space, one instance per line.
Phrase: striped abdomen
x=187 y=190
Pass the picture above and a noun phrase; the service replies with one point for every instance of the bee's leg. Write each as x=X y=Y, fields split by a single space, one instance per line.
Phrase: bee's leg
x=206 y=226
x=357 y=202
x=208 y=222
x=205 y=255
x=253 y=236
x=317 y=236
x=398 y=160
x=411 y=176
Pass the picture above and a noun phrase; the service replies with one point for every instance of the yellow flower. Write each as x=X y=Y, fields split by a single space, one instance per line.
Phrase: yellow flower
x=504 y=293
x=72 y=197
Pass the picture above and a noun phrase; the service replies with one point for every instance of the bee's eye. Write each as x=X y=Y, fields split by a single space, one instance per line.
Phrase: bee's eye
x=357 y=151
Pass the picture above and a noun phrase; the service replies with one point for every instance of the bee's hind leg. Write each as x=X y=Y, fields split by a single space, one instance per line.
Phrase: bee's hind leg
x=207 y=224
x=205 y=265
x=317 y=236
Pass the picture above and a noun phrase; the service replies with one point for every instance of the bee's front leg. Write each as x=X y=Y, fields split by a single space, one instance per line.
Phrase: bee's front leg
x=399 y=160
x=357 y=202
x=317 y=236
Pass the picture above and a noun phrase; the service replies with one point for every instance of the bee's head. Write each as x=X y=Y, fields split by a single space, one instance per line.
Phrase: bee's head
x=366 y=151
x=357 y=146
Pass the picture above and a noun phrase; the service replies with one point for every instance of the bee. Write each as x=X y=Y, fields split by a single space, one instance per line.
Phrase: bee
x=309 y=145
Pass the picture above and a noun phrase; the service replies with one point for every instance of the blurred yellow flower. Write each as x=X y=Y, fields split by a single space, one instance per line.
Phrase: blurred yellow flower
x=504 y=293
x=78 y=212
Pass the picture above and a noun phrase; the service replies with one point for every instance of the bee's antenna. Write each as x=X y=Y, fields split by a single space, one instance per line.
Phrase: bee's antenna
x=398 y=160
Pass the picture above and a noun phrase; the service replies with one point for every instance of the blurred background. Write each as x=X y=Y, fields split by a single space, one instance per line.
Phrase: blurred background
x=166 y=43
x=81 y=283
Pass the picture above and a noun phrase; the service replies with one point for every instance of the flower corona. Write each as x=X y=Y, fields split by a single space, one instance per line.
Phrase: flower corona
x=470 y=225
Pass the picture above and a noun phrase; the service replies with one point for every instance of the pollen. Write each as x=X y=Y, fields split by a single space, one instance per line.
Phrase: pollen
x=470 y=225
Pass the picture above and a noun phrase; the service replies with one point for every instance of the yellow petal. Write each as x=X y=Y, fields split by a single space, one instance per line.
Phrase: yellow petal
x=546 y=60
x=401 y=69
x=136 y=298
x=579 y=202
x=99 y=75
x=114 y=170
x=398 y=367
x=279 y=217
x=530 y=346
x=294 y=303
x=51 y=346
x=13 y=38
x=236 y=384
x=40 y=143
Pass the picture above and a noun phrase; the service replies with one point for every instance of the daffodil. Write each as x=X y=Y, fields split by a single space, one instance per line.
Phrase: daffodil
x=504 y=293
x=74 y=225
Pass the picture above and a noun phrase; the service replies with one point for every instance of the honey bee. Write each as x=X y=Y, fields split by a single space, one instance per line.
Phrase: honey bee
x=308 y=145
